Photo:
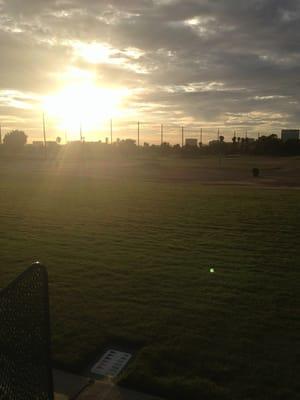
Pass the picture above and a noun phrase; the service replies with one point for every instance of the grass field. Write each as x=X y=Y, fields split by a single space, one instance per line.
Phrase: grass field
x=129 y=263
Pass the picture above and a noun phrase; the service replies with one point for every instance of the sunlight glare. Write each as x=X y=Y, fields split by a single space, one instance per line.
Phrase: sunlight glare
x=84 y=103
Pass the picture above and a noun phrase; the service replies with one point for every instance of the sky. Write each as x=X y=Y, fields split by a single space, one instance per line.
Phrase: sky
x=233 y=65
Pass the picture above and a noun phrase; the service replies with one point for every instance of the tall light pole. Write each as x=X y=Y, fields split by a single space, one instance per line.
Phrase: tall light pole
x=182 y=136
x=44 y=131
x=161 y=134
x=111 y=131
x=138 y=134
x=44 y=134
x=201 y=137
x=0 y=134
x=80 y=132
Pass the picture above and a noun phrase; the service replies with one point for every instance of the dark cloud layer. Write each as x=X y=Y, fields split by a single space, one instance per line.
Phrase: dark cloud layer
x=229 y=62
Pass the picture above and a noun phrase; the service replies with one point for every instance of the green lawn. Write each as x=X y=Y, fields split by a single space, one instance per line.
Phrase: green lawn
x=129 y=263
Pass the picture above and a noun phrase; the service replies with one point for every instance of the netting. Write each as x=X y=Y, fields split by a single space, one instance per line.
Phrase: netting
x=25 y=367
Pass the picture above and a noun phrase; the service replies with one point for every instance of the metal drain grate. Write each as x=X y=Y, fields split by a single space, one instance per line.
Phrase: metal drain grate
x=111 y=364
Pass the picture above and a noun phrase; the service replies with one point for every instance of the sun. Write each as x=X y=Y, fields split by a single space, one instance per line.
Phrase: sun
x=84 y=104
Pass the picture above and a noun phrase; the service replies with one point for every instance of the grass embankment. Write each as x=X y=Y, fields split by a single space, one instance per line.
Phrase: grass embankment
x=129 y=263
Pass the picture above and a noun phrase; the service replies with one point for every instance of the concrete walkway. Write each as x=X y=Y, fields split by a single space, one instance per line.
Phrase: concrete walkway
x=108 y=391
x=70 y=387
x=58 y=396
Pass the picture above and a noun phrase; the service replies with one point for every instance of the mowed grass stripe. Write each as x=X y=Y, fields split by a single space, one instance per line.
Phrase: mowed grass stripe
x=129 y=263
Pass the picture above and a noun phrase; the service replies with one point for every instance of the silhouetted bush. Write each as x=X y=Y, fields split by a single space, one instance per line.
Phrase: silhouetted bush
x=255 y=172
x=15 y=139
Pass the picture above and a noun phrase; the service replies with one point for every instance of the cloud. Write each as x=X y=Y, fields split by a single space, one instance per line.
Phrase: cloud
x=197 y=60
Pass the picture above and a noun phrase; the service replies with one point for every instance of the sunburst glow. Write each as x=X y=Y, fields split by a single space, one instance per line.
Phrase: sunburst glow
x=84 y=103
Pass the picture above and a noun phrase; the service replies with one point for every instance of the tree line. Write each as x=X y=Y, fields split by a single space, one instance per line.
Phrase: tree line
x=14 y=142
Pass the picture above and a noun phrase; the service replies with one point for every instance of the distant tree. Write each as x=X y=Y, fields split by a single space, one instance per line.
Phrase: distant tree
x=222 y=139
x=128 y=143
x=255 y=172
x=15 y=139
x=273 y=136
x=234 y=140
x=58 y=140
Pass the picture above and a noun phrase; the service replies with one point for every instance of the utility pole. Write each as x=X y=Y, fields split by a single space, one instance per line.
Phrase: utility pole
x=44 y=133
x=138 y=134
x=81 y=137
x=201 y=137
x=161 y=134
x=0 y=134
x=220 y=149
x=182 y=136
x=111 y=131
x=44 y=130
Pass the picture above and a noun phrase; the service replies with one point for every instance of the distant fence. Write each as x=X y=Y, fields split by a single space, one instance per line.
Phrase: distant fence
x=149 y=132
x=155 y=133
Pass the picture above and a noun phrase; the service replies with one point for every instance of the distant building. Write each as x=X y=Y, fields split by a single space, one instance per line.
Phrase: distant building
x=213 y=142
x=191 y=142
x=38 y=143
x=289 y=134
x=128 y=142
x=51 y=144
